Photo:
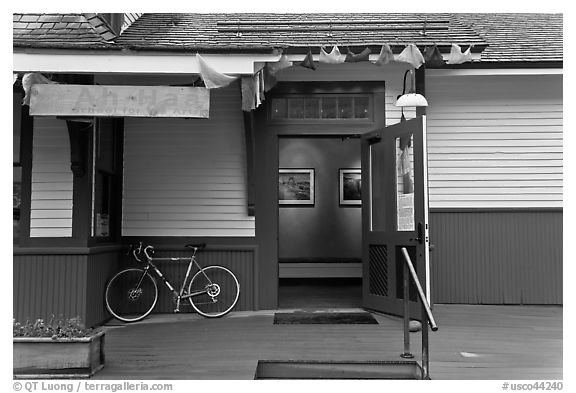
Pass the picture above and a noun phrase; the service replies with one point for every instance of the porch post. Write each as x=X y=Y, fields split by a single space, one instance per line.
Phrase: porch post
x=421 y=87
x=421 y=111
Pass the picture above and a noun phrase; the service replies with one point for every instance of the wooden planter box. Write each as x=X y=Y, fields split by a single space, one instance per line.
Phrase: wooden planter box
x=43 y=357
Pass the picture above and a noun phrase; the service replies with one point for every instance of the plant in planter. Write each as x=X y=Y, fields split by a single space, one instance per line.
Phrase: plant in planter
x=58 y=349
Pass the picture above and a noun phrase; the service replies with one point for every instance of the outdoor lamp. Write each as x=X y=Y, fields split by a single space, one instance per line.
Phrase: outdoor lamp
x=412 y=98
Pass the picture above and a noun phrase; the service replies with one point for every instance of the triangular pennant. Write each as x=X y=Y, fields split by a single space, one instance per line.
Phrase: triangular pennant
x=386 y=55
x=334 y=57
x=355 y=58
x=248 y=93
x=262 y=86
x=212 y=78
x=308 y=61
x=282 y=63
x=457 y=57
x=258 y=89
x=269 y=79
x=412 y=55
x=433 y=57
x=28 y=80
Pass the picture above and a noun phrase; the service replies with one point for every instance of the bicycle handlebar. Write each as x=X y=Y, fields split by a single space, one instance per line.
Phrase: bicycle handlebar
x=148 y=249
x=135 y=251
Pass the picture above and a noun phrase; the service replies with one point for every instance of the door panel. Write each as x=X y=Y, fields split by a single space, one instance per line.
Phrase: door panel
x=394 y=213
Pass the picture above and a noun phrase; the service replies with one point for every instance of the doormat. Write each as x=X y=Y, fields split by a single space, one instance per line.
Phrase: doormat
x=332 y=318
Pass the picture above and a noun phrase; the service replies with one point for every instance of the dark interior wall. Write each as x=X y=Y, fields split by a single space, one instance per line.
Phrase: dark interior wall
x=325 y=231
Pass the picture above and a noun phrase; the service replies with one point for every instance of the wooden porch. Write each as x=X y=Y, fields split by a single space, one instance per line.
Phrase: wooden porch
x=473 y=342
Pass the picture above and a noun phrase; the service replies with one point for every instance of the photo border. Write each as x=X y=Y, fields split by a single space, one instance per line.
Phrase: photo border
x=341 y=200
x=304 y=202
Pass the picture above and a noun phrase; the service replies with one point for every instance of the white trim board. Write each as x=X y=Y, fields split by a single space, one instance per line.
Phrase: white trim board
x=121 y=62
x=493 y=71
x=135 y=63
x=319 y=270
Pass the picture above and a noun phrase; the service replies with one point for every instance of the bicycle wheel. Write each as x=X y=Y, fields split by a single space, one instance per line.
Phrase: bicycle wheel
x=216 y=291
x=131 y=295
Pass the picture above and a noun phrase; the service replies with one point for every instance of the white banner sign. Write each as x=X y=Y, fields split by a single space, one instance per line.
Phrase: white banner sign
x=119 y=101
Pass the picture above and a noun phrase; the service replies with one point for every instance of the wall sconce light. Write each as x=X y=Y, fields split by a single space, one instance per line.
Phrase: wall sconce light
x=411 y=98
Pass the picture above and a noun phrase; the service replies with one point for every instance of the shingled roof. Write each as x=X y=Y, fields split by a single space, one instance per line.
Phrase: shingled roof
x=236 y=32
x=88 y=31
x=518 y=37
x=502 y=38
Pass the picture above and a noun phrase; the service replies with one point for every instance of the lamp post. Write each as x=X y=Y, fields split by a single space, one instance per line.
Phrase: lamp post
x=411 y=98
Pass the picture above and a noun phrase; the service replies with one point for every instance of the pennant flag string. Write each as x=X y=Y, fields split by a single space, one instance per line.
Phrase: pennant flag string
x=308 y=61
x=253 y=89
x=248 y=87
x=386 y=55
x=334 y=57
x=282 y=63
x=355 y=58
x=412 y=55
x=433 y=57
x=457 y=57
x=30 y=79
x=212 y=78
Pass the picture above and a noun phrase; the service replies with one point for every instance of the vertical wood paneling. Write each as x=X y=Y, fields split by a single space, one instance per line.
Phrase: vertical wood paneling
x=51 y=198
x=496 y=257
x=187 y=177
x=62 y=286
x=100 y=269
x=49 y=285
x=240 y=262
x=495 y=141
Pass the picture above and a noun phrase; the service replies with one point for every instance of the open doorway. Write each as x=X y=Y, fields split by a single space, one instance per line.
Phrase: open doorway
x=319 y=219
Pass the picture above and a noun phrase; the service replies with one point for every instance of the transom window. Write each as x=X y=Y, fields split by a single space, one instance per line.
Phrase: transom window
x=325 y=107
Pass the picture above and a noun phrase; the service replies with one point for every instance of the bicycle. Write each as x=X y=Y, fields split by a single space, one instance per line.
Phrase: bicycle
x=132 y=293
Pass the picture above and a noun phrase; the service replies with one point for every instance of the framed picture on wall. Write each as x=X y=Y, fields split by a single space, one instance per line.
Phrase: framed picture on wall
x=296 y=187
x=350 y=187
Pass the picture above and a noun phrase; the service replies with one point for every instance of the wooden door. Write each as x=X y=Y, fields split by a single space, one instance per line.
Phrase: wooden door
x=394 y=213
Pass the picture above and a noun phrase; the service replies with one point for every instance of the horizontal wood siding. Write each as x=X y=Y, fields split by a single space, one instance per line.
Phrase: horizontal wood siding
x=496 y=257
x=52 y=180
x=49 y=285
x=495 y=141
x=187 y=177
x=241 y=262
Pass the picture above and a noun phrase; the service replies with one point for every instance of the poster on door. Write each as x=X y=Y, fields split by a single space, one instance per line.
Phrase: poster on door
x=405 y=212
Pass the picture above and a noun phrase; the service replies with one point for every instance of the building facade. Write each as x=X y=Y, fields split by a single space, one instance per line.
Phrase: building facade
x=88 y=186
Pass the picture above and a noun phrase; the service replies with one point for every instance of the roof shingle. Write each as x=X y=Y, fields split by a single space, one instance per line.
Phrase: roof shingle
x=518 y=37
x=248 y=31
x=61 y=31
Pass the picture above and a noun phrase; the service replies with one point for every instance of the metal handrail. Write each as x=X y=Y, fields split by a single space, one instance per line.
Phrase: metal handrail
x=426 y=315
x=421 y=295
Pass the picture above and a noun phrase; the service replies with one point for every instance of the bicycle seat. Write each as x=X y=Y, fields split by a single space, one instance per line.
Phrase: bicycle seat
x=198 y=247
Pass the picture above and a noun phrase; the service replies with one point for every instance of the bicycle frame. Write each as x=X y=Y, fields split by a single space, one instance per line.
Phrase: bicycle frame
x=178 y=296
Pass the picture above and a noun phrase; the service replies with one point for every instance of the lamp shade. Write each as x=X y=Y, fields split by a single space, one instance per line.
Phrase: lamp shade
x=411 y=99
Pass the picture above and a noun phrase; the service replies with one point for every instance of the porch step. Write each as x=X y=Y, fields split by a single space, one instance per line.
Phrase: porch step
x=315 y=369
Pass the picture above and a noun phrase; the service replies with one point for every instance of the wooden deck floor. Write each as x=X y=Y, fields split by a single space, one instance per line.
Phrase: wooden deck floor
x=473 y=342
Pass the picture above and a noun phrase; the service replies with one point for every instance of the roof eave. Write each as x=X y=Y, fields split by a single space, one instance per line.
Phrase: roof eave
x=66 y=45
